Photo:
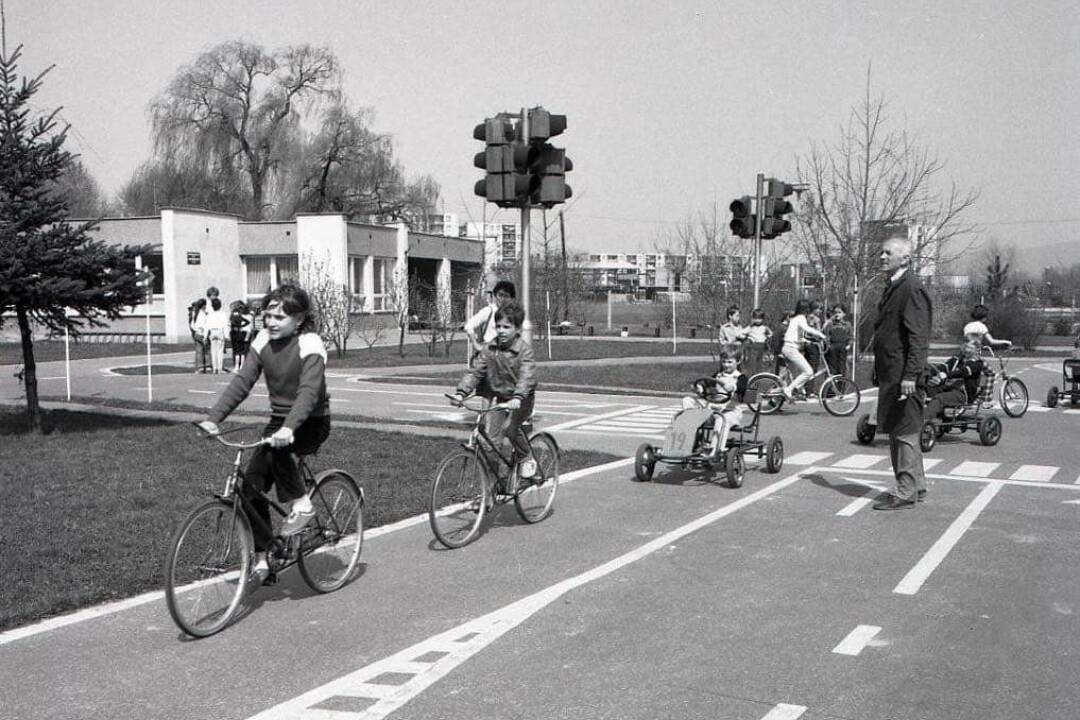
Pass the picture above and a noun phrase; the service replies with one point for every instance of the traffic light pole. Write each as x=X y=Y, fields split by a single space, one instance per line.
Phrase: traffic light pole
x=757 y=240
x=526 y=248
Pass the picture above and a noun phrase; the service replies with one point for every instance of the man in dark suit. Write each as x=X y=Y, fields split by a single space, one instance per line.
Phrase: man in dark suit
x=901 y=344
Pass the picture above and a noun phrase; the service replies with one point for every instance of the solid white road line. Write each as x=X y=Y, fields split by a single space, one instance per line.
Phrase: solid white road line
x=1035 y=473
x=937 y=552
x=970 y=468
x=783 y=711
x=593 y=418
x=459 y=644
x=856 y=640
x=806 y=457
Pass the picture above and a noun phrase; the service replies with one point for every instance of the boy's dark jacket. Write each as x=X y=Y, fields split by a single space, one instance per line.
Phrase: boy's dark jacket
x=510 y=372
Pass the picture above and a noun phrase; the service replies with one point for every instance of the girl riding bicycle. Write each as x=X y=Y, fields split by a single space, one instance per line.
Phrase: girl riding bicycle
x=798 y=329
x=292 y=356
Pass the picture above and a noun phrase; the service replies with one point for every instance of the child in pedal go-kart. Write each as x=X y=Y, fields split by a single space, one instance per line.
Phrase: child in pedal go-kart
x=722 y=398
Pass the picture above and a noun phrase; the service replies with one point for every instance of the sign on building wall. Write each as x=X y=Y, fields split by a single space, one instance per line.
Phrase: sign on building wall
x=194 y=258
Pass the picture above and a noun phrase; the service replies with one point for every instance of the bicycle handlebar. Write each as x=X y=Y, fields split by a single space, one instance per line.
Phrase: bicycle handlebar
x=458 y=401
x=228 y=443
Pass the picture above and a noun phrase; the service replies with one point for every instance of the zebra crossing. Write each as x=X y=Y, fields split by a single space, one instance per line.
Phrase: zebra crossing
x=954 y=468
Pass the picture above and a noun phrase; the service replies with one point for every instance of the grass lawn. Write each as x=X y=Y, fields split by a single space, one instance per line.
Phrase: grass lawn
x=631 y=377
x=90 y=507
x=47 y=350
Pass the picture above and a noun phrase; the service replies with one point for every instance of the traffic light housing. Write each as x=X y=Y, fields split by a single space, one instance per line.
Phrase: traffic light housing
x=775 y=207
x=743 y=220
x=504 y=162
x=522 y=171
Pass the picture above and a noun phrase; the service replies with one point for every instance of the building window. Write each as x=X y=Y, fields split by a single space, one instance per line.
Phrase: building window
x=382 y=283
x=356 y=278
x=257 y=270
x=156 y=265
x=288 y=269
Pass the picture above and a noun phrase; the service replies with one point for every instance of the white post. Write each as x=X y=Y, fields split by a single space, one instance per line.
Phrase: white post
x=855 y=329
x=67 y=360
x=149 y=375
x=609 y=309
x=547 y=302
x=674 y=326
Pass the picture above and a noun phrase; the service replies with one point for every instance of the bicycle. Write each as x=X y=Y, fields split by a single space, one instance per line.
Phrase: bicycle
x=1012 y=394
x=208 y=568
x=838 y=394
x=474 y=478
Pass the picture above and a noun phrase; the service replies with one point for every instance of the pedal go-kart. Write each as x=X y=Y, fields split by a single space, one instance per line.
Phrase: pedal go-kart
x=1070 y=385
x=959 y=419
x=687 y=440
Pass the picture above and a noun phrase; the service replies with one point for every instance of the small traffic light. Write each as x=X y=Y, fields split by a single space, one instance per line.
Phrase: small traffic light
x=773 y=222
x=543 y=125
x=742 y=218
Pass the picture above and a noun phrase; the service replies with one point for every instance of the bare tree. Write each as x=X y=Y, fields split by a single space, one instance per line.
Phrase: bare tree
x=332 y=301
x=237 y=108
x=368 y=326
x=872 y=181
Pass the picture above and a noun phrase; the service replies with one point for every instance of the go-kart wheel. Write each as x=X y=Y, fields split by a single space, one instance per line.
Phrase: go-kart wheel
x=735 y=469
x=1052 y=397
x=941 y=430
x=928 y=437
x=644 y=463
x=774 y=454
x=989 y=430
x=864 y=431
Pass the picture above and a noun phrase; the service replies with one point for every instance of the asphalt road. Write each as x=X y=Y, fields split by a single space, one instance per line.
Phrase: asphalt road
x=681 y=598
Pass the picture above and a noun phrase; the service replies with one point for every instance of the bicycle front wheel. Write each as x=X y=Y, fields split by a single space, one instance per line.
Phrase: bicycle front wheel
x=840 y=396
x=330 y=545
x=207 y=568
x=1014 y=397
x=764 y=393
x=534 y=503
x=459 y=497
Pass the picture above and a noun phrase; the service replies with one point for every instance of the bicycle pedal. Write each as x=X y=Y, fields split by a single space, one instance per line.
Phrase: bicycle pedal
x=271 y=579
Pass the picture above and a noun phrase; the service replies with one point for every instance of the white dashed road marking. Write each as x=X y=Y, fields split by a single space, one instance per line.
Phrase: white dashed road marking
x=970 y=468
x=783 y=711
x=858 y=461
x=856 y=640
x=807 y=457
x=1035 y=473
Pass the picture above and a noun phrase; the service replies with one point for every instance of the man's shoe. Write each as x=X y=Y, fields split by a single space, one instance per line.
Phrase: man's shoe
x=894 y=503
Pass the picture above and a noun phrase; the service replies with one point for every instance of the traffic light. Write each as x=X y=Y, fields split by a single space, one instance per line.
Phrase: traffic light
x=504 y=162
x=742 y=218
x=549 y=168
x=773 y=222
x=547 y=164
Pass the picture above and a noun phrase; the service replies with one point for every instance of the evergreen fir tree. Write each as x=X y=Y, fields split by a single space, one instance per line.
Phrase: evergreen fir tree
x=48 y=266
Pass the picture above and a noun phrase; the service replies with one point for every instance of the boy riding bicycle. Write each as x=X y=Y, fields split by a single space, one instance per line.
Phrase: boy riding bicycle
x=291 y=355
x=507 y=365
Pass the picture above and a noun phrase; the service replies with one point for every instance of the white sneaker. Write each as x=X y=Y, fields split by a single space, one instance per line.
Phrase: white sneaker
x=299 y=517
x=260 y=572
x=528 y=469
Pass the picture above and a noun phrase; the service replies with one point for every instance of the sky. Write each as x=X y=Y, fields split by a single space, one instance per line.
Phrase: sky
x=673 y=107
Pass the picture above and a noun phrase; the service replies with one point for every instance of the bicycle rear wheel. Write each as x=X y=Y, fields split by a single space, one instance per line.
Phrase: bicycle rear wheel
x=459 y=497
x=840 y=395
x=764 y=391
x=331 y=543
x=1014 y=397
x=534 y=503
x=207 y=568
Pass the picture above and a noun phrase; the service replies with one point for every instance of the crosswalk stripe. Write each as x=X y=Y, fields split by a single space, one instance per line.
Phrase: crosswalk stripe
x=928 y=463
x=1036 y=473
x=806 y=457
x=859 y=461
x=1038 y=408
x=1072 y=412
x=970 y=468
